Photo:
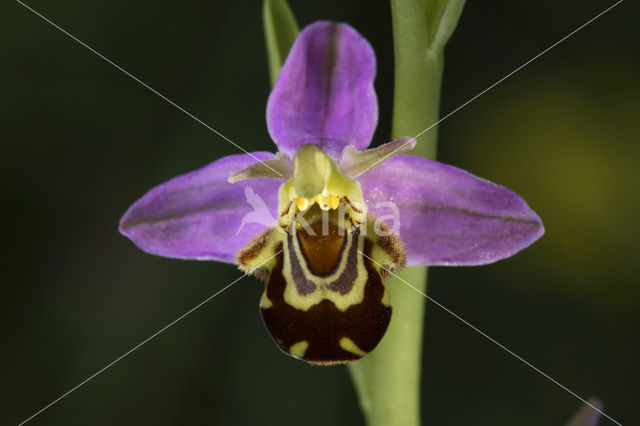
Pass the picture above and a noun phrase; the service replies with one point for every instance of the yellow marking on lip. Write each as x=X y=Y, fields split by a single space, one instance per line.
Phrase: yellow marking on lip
x=342 y=302
x=386 y=300
x=265 y=303
x=349 y=346
x=298 y=349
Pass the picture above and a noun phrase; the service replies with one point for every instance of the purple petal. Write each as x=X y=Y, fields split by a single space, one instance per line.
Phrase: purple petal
x=588 y=414
x=448 y=216
x=324 y=94
x=200 y=215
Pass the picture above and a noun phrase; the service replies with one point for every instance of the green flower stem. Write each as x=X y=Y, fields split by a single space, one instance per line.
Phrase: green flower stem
x=388 y=380
x=418 y=77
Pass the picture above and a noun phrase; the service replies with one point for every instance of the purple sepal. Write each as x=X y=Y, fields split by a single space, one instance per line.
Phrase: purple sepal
x=200 y=215
x=448 y=216
x=324 y=93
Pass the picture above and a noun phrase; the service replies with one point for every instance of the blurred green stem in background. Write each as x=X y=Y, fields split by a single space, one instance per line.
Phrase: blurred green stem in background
x=388 y=380
x=280 y=30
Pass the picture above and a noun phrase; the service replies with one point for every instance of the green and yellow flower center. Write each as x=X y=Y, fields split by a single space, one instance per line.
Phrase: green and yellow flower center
x=317 y=180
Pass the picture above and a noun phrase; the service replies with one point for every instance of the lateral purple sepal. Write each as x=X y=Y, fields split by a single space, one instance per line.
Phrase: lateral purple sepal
x=448 y=216
x=200 y=215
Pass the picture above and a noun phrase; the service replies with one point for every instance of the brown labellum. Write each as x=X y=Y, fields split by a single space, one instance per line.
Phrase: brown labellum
x=325 y=301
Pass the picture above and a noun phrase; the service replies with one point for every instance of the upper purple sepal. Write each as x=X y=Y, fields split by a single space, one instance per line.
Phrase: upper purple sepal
x=200 y=215
x=324 y=94
x=448 y=216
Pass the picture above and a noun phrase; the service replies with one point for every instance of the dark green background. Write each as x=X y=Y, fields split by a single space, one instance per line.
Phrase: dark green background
x=81 y=142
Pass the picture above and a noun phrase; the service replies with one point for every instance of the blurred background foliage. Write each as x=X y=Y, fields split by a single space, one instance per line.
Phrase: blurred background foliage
x=81 y=142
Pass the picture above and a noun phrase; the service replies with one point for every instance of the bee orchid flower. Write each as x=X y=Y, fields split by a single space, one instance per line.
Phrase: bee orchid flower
x=325 y=220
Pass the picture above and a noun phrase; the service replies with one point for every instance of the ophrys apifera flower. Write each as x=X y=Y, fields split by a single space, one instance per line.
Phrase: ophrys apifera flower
x=330 y=219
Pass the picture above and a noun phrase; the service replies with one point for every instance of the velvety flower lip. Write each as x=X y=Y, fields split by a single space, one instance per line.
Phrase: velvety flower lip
x=448 y=216
x=324 y=94
x=199 y=215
